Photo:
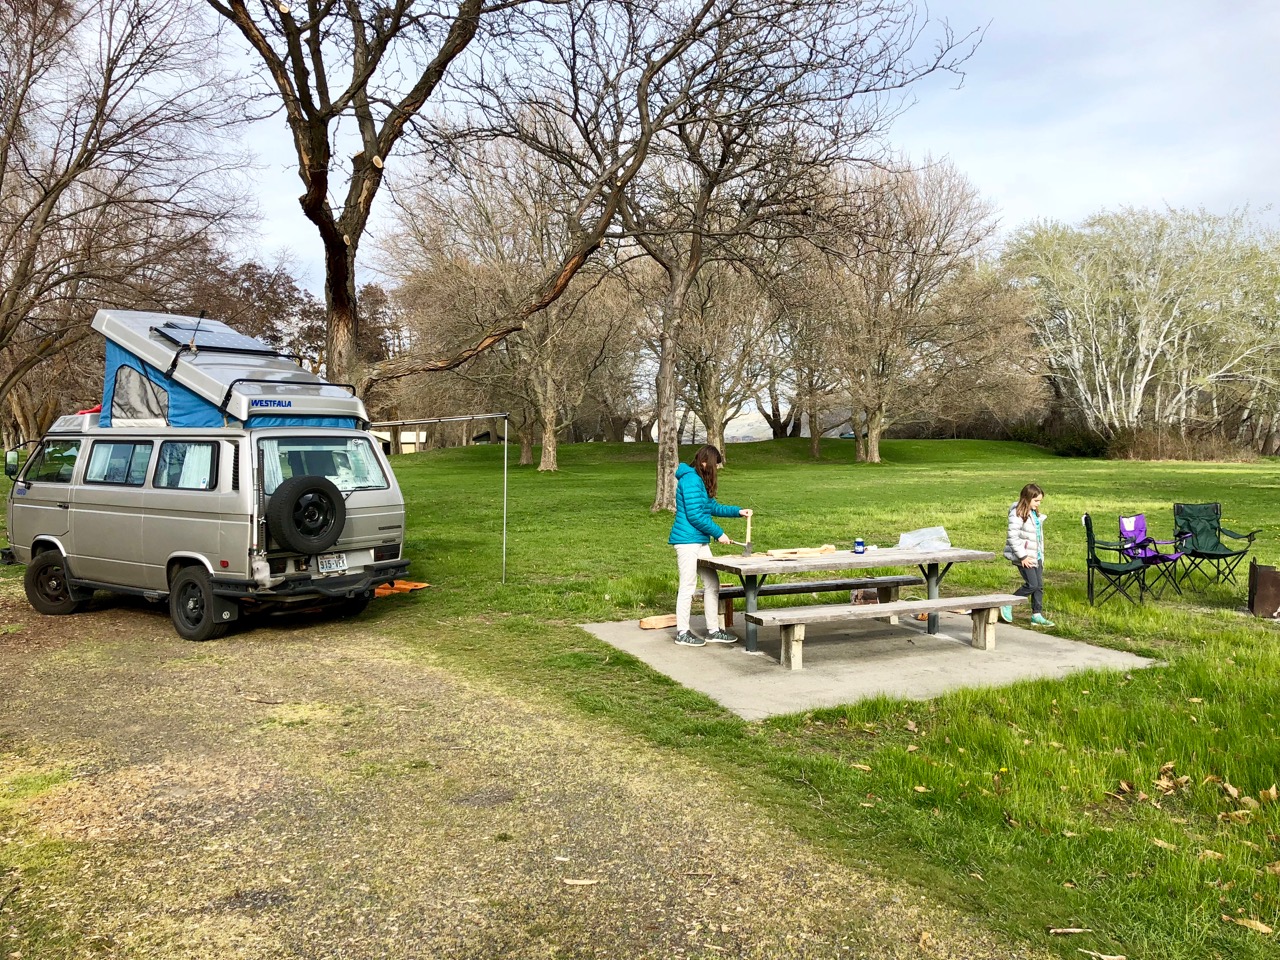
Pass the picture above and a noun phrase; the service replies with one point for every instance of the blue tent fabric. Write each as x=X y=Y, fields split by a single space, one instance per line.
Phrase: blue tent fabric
x=348 y=423
x=186 y=408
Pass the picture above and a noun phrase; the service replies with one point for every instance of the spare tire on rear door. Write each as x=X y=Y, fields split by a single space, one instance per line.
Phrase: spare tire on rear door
x=306 y=514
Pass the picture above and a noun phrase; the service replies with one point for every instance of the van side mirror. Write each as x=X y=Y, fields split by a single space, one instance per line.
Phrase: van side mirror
x=11 y=463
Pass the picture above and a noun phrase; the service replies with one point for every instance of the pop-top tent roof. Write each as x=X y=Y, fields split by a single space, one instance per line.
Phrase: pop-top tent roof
x=192 y=371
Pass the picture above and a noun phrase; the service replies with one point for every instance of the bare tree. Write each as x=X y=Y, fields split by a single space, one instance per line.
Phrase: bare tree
x=719 y=358
x=920 y=232
x=1150 y=318
x=488 y=235
x=109 y=166
x=696 y=123
x=804 y=368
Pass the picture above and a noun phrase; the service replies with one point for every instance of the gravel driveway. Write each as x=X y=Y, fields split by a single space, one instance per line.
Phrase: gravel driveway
x=314 y=790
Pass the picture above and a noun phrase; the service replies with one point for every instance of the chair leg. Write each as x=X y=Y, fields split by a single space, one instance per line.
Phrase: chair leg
x=1228 y=575
x=1089 y=579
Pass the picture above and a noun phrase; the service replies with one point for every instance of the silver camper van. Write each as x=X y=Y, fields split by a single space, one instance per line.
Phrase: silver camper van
x=218 y=474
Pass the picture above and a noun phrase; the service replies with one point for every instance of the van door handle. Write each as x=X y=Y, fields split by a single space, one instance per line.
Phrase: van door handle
x=64 y=506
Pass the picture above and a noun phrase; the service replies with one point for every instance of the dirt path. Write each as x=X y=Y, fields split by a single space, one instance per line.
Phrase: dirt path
x=314 y=792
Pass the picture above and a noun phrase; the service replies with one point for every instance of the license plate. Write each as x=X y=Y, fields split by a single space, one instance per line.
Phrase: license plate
x=332 y=562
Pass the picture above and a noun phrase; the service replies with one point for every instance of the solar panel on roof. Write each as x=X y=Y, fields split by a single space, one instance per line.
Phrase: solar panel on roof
x=212 y=335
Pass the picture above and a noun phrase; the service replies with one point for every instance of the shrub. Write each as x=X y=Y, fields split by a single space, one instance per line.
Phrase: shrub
x=1168 y=444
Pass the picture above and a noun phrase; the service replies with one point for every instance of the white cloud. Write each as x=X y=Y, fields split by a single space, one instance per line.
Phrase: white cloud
x=1071 y=108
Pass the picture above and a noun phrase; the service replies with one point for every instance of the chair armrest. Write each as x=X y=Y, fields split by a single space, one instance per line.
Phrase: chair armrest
x=1241 y=536
x=1114 y=547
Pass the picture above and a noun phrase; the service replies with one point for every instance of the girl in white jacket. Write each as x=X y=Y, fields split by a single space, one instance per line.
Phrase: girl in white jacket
x=1024 y=545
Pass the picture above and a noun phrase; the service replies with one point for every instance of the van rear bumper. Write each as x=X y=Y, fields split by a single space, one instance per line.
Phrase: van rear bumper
x=304 y=585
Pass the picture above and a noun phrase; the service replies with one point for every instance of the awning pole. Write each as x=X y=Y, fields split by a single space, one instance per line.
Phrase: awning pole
x=506 y=434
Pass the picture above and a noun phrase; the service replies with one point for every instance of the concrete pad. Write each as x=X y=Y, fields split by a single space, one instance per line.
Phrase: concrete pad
x=844 y=663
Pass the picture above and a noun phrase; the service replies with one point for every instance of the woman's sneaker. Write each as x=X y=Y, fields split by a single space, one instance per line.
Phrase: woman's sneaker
x=1006 y=613
x=687 y=638
x=1039 y=620
x=722 y=636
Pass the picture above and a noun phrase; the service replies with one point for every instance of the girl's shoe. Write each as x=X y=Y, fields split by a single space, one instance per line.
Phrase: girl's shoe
x=688 y=638
x=1039 y=620
x=722 y=636
x=1006 y=613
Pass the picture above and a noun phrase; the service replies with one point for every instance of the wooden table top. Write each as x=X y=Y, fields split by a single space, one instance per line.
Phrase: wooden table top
x=759 y=564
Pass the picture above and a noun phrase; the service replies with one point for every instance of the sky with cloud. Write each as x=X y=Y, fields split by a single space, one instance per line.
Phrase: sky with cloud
x=1065 y=109
x=1070 y=108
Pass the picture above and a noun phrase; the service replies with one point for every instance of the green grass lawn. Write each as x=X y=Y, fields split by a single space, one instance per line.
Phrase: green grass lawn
x=1138 y=805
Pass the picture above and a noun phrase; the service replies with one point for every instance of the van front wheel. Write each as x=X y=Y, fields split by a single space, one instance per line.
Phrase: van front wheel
x=191 y=605
x=46 y=585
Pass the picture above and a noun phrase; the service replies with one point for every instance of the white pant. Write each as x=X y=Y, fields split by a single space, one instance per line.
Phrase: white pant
x=687 y=555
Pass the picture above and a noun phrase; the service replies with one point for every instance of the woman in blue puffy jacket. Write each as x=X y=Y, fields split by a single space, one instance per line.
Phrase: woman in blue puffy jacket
x=694 y=525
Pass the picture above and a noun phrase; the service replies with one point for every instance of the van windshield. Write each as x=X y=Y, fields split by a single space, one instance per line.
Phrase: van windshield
x=347 y=461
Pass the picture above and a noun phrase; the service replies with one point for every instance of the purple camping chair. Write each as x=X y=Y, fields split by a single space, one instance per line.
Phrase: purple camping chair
x=1136 y=544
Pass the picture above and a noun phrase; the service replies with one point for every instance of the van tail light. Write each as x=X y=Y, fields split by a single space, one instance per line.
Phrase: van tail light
x=388 y=551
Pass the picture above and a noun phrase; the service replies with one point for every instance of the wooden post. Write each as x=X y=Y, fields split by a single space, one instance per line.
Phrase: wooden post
x=984 y=629
x=792 y=645
x=887 y=595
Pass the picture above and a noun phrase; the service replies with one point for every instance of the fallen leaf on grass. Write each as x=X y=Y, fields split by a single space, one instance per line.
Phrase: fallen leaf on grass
x=1163 y=844
x=1196 y=700
x=1211 y=855
x=911 y=725
x=1269 y=796
x=1235 y=816
x=1229 y=790
x=1248 y=923
x=912 y=748
x=1063 y=931
x=1274 y=868
x=922 y=790
x=1101 y=956
x=581 y=883
x=861 y=766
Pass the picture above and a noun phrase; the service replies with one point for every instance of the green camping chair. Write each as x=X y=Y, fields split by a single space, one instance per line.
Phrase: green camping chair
x=1121 y=575
x=1204 y=549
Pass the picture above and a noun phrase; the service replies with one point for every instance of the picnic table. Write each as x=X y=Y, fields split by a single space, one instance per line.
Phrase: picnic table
x=752 y=570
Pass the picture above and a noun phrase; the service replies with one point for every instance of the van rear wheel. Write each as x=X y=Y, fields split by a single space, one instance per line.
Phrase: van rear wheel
x=191 y=605
x=46 y=584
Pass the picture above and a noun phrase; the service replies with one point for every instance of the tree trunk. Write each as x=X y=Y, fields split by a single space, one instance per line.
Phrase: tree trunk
x=548 y=461
x=341 y=357
x=526 y=446
x=668 y=434
x=548 y=416
x=615 y=428
x=815 y=428
x=875 y=427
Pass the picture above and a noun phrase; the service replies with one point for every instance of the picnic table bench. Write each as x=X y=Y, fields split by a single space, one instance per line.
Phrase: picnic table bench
x=886 y=589
x=791 y=620
x=753 y=571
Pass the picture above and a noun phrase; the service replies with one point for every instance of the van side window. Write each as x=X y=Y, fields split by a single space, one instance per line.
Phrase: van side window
x=187 y=465
x=118 y=461
x=53 y=462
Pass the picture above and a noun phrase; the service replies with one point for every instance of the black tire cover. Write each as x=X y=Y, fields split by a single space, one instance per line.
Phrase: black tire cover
x=306 y=514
